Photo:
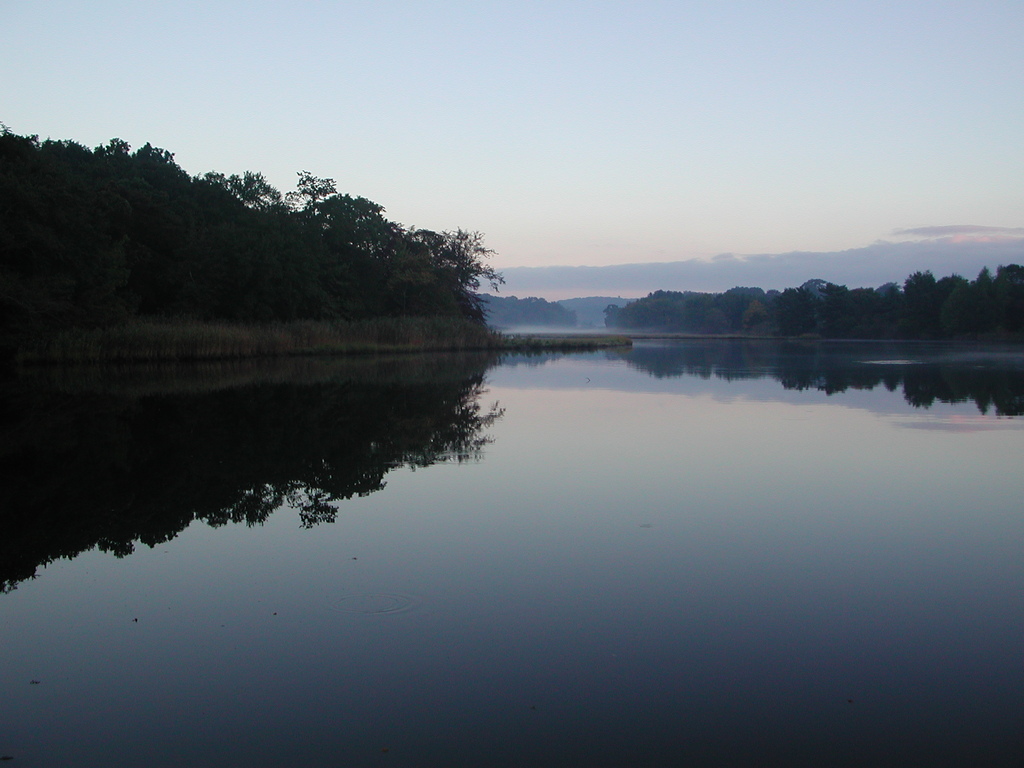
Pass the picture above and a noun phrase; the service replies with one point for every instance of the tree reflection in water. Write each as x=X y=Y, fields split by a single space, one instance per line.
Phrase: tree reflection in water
x=991 y=377
x=99 y=457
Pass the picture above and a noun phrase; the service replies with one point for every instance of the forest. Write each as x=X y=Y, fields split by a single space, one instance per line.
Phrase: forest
x=511 y=311
x=109 y=237
x=93 y=238
x=953 y=307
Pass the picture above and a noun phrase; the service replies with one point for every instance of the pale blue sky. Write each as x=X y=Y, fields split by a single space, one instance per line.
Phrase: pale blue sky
x=568 y=132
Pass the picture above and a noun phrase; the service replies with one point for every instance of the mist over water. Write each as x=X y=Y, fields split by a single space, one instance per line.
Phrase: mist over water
x=699 y=553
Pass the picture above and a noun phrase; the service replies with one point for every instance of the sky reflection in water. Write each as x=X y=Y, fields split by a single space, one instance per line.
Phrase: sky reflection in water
x=640 y=570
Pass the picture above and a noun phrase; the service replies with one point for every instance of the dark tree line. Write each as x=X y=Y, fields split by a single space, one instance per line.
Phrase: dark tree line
x=90 y=237
x=923 y=308
x=735 y=310
x=511 y=311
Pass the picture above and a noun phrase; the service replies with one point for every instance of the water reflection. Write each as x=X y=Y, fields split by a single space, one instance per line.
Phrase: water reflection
x=698 y=567
x=104 y=458
x=99 y=457
x=991 y=377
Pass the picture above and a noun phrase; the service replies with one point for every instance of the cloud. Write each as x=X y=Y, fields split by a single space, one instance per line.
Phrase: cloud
x=960 y=230
x=872 y=266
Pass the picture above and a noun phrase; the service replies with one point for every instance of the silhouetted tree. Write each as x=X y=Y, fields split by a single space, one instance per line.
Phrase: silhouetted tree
x=795 y=311
x=94 y=237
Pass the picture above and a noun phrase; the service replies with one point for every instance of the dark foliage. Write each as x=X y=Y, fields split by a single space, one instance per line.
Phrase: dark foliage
x=511 y=311
x=94 y=237
x=925 y=308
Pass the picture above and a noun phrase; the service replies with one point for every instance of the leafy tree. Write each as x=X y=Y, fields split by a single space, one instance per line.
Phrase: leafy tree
x=734 y=303
x=459 y=258
x=836 y=311
x=859 y=313
x=511 y=311
x=310 y=191
x=613 y=316
x=954 y=312
x=795 y=311
x=1009 y=297
x=657 y=310
x=359 y=247
x=922 y=306
x=252 y=189
x=91 y=237
x=755 y=316
x=63 y=255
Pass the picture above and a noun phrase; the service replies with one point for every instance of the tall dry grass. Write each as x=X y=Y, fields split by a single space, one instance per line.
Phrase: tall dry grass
x=150 y=341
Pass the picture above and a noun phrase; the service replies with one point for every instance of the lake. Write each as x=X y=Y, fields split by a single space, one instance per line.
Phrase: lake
x=687 y=553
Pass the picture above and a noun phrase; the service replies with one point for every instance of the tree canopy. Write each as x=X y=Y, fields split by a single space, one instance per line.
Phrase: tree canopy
x=90 y=237
x=924 y=308
x=511 y=311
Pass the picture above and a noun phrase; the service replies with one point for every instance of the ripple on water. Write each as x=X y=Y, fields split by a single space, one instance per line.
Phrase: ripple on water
x=376 y=603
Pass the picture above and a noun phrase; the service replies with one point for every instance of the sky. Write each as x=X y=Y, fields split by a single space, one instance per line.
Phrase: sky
x=869 y=267
x=568 y=132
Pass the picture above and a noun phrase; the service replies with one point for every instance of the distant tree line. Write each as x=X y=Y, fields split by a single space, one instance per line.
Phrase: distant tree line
x=511 y=311
x=91 y=237
x=923 y=308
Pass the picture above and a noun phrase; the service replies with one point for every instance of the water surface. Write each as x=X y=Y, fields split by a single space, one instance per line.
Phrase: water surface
x=686 y=553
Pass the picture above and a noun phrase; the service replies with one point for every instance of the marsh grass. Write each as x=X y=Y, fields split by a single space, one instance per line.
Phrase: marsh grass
x=151 y=341
x=563 y=342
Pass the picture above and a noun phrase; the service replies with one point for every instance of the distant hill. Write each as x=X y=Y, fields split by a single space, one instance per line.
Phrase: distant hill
x=533 y=312
x=512 y=312
x=590 y=309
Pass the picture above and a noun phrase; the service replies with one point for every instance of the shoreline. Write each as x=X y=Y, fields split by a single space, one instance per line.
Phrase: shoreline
x=149 y=341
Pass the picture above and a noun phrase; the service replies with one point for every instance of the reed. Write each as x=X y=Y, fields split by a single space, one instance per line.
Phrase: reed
x=150 y=341
x=563 y=343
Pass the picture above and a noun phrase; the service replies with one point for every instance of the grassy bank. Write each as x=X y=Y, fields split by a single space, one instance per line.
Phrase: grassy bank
x=153 y=341
x=563 y=342
x=193 y=340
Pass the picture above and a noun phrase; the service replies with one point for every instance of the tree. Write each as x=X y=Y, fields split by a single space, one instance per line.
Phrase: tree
x=735 y=302
x=95 y=236
x=612 y=316
x=459 y=258
x=970 y=307
x=837 y=315
x=755 y=316
x=1009 y=297
x=310 y=191
x=251 y=188
x=923 y=298
x=795 y=311
x=510 y=311
x=63 y=238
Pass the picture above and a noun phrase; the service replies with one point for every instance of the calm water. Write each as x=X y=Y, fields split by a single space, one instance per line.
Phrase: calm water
x=684 y=554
